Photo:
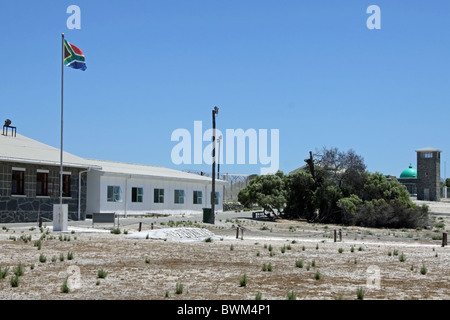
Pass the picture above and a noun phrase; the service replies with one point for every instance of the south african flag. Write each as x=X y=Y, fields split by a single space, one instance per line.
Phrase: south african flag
x=73 y=57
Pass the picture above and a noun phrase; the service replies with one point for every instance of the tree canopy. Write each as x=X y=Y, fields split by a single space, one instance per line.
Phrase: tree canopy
x=341 y=191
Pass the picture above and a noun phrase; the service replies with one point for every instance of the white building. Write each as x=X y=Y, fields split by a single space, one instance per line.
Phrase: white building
x=134 y=189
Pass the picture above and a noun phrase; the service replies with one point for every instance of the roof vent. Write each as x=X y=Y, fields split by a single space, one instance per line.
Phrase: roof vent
x=8 y=125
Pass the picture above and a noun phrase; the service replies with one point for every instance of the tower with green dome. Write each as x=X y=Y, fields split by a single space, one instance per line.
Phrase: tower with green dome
x=408 y=178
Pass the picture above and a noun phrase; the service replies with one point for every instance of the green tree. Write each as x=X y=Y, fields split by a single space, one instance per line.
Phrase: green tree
x=267 y=191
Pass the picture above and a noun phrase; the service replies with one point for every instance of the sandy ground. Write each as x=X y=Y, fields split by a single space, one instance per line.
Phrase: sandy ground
x=149 y=269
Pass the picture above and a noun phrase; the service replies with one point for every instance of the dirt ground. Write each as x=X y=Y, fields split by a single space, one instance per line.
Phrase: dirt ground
x=145 y=269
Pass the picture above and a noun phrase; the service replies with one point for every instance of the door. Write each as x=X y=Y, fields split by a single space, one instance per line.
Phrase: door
x=426 y=194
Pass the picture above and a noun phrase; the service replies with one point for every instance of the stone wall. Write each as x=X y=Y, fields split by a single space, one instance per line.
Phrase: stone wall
x=29 y=207
x=428 y=176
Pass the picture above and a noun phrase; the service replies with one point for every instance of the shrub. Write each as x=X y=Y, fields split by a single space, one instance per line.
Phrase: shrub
x=340 y=250
x=42 y=258
x=243 y=281
x=291 y=295
x=402 y=257
x=299 y=263
x=18 y=271
x=14 y=281
x=423 y=269
x=61 y=257
x=3 y=272
x=208 y=239
x=360 y=293
x=65 y=286
x=102 y=274
x=69 y=255
x=179 y=288
x=115 y=231
x=317 y=275
x=258 y=296
x=147 y=260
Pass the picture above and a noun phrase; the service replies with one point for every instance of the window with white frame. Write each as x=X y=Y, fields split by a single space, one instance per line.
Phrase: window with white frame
x=113 y=194
x=158 y=195
x=137 y=194
x=179 y=196
x=198 y=197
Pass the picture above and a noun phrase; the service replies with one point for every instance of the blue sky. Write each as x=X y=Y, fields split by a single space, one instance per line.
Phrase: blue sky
x=311 y=69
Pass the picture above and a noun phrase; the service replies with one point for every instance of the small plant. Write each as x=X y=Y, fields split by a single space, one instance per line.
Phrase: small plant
x=115 y=231
x=38 y=244
x=352 y=249
x=179 y=288
x=97 y=283
x=303 y=248
x=42 y=258
x=14 y=281
x=54 y=259
x=18 y=271
x=389 y=253
x=317 y=275
x=258 y=254
x=360 y=249
x=209 y=239
x=32 y=266
x=231 y=247
x=65 y=286
x=360 y=293
x=102 y=274
x=69 y=255
x=243 y=281
x=340 y=250
x=402 y=258
x=61 y=257
x=147 y=260
x=395 y=252
x=3 y=272
x=299 y=263
x=167 y=294
x=283 y=249
x=423 y=269
x=317 y=246
x=291 y=295
x=258 y=296
x=270 y=248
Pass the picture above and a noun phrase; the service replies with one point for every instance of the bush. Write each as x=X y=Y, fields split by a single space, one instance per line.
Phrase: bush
x=18 y=271
x=423 y=269
x=3 y=272
x=243 y=281
x=360 y=293
x=291 y=295
x=179 y=288
x=102 y=274
x=42 y=258
x=65 y=286
x=317 y=275
x=299 y=263
x=115 y=231
x=14 y=281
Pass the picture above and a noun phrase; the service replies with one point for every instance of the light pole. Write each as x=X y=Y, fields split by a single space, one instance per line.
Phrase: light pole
x=213 y=187
x=218 y=157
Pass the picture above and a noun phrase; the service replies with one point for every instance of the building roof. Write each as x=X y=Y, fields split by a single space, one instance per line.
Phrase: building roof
x=428 y=149
x=409 y=173
x=25 y=150
x=121 y=168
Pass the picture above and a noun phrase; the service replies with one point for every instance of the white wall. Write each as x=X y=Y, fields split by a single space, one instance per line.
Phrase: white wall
x=97 y=197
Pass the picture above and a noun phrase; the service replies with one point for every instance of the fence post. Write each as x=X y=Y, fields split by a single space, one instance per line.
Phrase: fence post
x=237 y=233
x=40 y=222
x=444 y=239
x=140 y=226
x=335 y=235
x=152 y=226
x=340 y=235
x=242 y=233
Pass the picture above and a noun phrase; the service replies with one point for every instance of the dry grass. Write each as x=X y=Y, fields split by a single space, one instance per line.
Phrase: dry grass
x=148 y=269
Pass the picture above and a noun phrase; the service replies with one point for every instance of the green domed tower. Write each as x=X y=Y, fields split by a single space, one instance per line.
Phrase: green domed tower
x=409 y=173
x=408 y=178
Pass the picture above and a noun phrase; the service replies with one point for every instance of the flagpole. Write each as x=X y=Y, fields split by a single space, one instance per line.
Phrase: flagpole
x=62 y=114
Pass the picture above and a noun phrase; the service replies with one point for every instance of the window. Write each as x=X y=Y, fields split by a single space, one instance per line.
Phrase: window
x=66 y=185
x=114 y=194
x=42 y=183
x=18 y=182
x=427 y=155
x=179 y=196
x=158 y=196
x=197 y=197
x=216 y=198
x=137 y=194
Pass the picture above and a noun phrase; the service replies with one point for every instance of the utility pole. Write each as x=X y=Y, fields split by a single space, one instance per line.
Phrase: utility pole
x=213 y=187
